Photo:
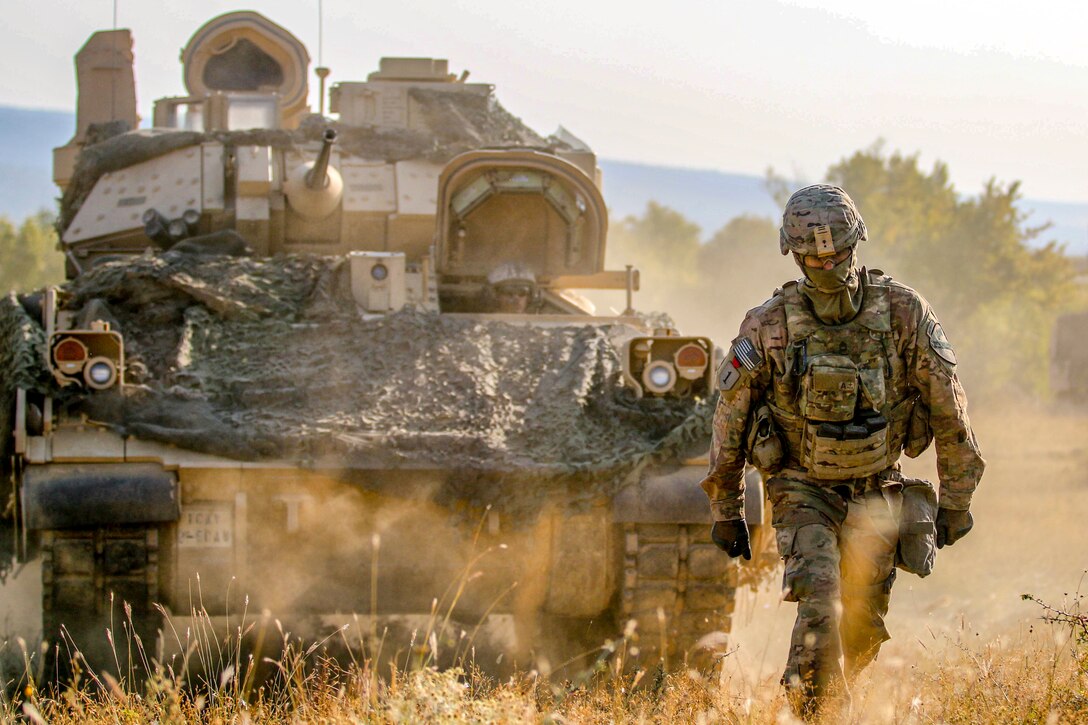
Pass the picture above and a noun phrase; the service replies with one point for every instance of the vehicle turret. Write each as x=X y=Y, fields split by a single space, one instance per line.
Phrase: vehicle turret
x=242 y=152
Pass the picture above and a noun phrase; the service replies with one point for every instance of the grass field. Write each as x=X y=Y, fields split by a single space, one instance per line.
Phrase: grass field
x=966 y=646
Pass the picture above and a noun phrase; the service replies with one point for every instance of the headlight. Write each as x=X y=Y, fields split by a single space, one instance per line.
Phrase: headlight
x=691 y=361
x=668 y=364
x=93 y=357
x=69 y=355
x=659 y=377
x=100 y=373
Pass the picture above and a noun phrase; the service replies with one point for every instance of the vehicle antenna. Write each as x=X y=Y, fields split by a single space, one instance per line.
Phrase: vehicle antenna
x=321 y=71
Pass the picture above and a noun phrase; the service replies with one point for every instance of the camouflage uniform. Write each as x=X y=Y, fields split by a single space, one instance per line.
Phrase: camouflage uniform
x=843 y=401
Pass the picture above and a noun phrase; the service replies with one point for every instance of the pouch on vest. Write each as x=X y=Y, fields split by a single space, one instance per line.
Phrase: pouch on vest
x=829 y=391
x=872 y=387
x=917 y=550
x=919 y=432
x=839 y=452
x=764 y=450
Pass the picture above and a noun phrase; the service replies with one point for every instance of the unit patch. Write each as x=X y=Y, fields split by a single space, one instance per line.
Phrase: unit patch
x=741 y=361
x=728 y=376
x=940 y=344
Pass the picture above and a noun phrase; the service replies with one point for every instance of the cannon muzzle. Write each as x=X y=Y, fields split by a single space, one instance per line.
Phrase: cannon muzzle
x=317 y=178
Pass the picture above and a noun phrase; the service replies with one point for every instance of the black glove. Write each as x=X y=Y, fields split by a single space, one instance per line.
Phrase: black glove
x=732 y=538
x=952 y=526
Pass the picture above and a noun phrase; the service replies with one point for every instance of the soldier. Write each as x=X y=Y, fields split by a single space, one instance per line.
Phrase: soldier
x=824 y=387
x=511 y=289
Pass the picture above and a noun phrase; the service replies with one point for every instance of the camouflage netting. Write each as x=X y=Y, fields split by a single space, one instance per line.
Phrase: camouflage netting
x=22 y=342
x=256 y=359
x=456 y=122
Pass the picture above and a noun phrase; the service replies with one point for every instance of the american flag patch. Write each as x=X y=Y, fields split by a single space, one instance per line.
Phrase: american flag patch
x=742 y=357
x=745 y=353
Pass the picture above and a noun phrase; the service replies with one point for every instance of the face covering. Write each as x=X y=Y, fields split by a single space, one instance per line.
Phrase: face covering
x=836 y=294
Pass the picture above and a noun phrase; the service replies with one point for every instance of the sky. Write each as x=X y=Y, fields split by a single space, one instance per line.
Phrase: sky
x=993 y=89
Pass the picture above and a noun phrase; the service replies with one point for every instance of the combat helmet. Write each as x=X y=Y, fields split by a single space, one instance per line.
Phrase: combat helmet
x=820 y=220
x=512 y=274
x=511 y=287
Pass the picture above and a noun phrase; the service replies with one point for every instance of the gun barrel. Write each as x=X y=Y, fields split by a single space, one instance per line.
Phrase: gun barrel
x=318 y=176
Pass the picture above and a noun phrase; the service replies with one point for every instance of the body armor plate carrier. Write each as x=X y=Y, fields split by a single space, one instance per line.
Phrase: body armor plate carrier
x=844 y=405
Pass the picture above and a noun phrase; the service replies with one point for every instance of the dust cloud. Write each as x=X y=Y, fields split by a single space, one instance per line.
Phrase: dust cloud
x=1029 y=538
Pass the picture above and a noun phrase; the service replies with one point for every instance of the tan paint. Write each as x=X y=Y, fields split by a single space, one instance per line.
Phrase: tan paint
x=469 y=246
x=212 y=178
x=313 y=204
x=385 y=101
x=106 y=92
x=80 y=443
x=416 y=184
x=580 y=579
x=369 y=186
x=609 y=279
x=222 y=32
x=253 y=166
x=171 y=184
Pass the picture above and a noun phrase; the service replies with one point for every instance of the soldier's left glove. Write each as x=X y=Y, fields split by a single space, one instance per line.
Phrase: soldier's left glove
x=952 y=526
x=732 y=538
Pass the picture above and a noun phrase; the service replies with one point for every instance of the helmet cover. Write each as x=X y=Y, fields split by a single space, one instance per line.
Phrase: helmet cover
x=820 y=220
x=511 y=273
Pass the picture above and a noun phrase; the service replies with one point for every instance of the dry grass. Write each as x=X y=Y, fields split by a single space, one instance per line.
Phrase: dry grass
x=1039 y=677
x=967 y=647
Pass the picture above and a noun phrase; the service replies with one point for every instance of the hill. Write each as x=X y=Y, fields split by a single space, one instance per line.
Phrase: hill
x=709 y=198
x=27 y=138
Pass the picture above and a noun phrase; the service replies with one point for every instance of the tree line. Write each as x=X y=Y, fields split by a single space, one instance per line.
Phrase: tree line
x=997 y=295
x=28 y=253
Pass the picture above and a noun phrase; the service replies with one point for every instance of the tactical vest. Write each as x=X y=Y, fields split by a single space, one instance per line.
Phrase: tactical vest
x=843 y=404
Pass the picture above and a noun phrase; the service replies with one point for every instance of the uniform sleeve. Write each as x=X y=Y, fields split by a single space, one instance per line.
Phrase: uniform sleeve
x=932 y=363
x=741 y=380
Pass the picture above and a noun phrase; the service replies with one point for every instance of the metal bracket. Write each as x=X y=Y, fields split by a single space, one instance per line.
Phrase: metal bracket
x=20 y=422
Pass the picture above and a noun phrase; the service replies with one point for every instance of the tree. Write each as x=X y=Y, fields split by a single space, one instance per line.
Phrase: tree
x=741 y=266
x=704 y=288
x=662 y=244
x=997 y=296
x=28 y=255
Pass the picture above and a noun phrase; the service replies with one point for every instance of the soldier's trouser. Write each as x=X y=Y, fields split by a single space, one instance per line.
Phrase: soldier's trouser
x=839 y=551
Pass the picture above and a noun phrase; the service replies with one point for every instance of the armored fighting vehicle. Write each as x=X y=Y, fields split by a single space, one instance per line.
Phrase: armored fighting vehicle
x=331 y=369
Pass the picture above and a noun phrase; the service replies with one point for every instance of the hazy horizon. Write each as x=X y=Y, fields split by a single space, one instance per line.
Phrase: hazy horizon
x=794 y=85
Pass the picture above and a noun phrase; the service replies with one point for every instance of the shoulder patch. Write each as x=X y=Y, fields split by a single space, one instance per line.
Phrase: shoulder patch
x=746 y=353
x=939 y=342
x=740 y=362
x=728 y=375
